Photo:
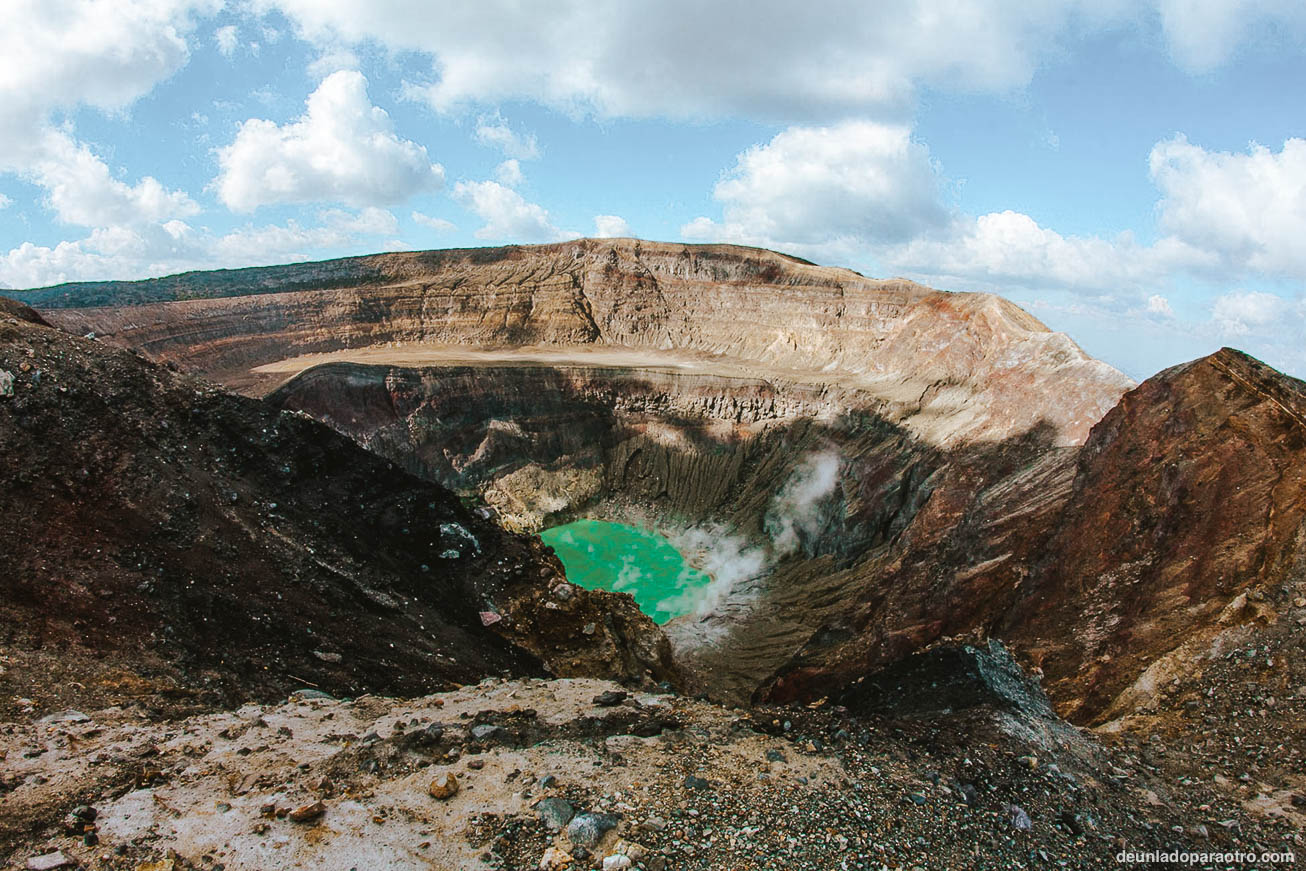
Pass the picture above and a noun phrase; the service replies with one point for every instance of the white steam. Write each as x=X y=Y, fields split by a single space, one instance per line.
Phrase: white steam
x=793 y=514
x=738 y=567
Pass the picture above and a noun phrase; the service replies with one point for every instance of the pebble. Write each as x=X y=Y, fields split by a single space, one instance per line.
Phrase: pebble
x=49 y=861
x=654 y=824
x=616 y=862
x=307 y=813
x=1019 y=819
x=444 y=786
x=555 y=812
x=555 y=859
x=589 y=828
x=610 y=698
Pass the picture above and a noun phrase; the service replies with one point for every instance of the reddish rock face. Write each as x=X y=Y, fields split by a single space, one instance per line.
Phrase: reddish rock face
x=1181 y=517
x=1186 y=517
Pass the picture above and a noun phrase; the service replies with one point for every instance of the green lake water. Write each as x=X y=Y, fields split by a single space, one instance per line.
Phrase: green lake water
x=626 y=559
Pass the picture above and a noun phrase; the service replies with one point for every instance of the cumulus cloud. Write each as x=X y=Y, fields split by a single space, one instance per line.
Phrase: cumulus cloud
x=1005 y=249
x=343 y=149
x=5 y=202
x=828 y=188
x=1204 y=35
x=127 y=252
x=494 y=131
x=682 y=58
x=1159 y=305
x=226 y=40
x=611 y=227
x=507 y=214
x=509 y=173
x=836 y=57
x=1248 y=208
x=81 y=190
x=1243 y=312
x=61 y=54
x=67 y=53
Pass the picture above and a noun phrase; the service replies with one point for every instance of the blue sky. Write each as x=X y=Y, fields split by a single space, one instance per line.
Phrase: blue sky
x=1133 y=173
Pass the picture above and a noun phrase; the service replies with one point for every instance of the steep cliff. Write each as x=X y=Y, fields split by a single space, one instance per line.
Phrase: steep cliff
x=1177 y=532
x=954 y=367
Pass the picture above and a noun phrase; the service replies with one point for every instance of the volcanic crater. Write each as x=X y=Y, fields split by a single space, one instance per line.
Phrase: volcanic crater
x=783 y=424
x=921 y=526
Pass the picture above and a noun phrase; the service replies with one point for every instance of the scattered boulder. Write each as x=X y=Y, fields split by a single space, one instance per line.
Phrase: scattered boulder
x=610 y=698
x=554 y=812
x=1020 y=820
x=486 y=732
x=444 y=786
x=49 y=862
x=307 y=813
x=588 y=829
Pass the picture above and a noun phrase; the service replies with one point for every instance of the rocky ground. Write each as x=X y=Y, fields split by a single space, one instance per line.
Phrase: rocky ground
x=578 y=773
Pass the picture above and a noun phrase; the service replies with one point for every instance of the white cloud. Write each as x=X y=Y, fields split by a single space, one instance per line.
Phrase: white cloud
x=509 y=173
x=61 y=54
x=81 y=190
x=1159 y=305
x=685 y=58
x=493 y=130
x=1205 y=35
x=1250 y=208
x=66 y=53
x=5 y=202
x=1242 y=312
x=226 y=40
x=275 y=243
x=333 y=59
x=439 y=225
x=1004 y=249
x=507 y=215
x=174 y=246
x=828 y=188
x=343 y=149
x=611 y=227
x=832 y=59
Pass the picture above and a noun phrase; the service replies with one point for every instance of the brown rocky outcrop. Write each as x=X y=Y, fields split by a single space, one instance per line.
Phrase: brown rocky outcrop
x=953 y=366
x=1114 y=568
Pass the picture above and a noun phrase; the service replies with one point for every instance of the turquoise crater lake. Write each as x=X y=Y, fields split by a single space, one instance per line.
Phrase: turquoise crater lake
x=599 y=555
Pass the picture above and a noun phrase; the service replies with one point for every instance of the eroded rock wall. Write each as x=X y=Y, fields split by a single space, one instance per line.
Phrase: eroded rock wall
x=965 y=366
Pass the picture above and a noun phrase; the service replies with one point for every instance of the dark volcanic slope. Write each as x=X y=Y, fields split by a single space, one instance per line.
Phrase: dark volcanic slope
x=157 y=533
